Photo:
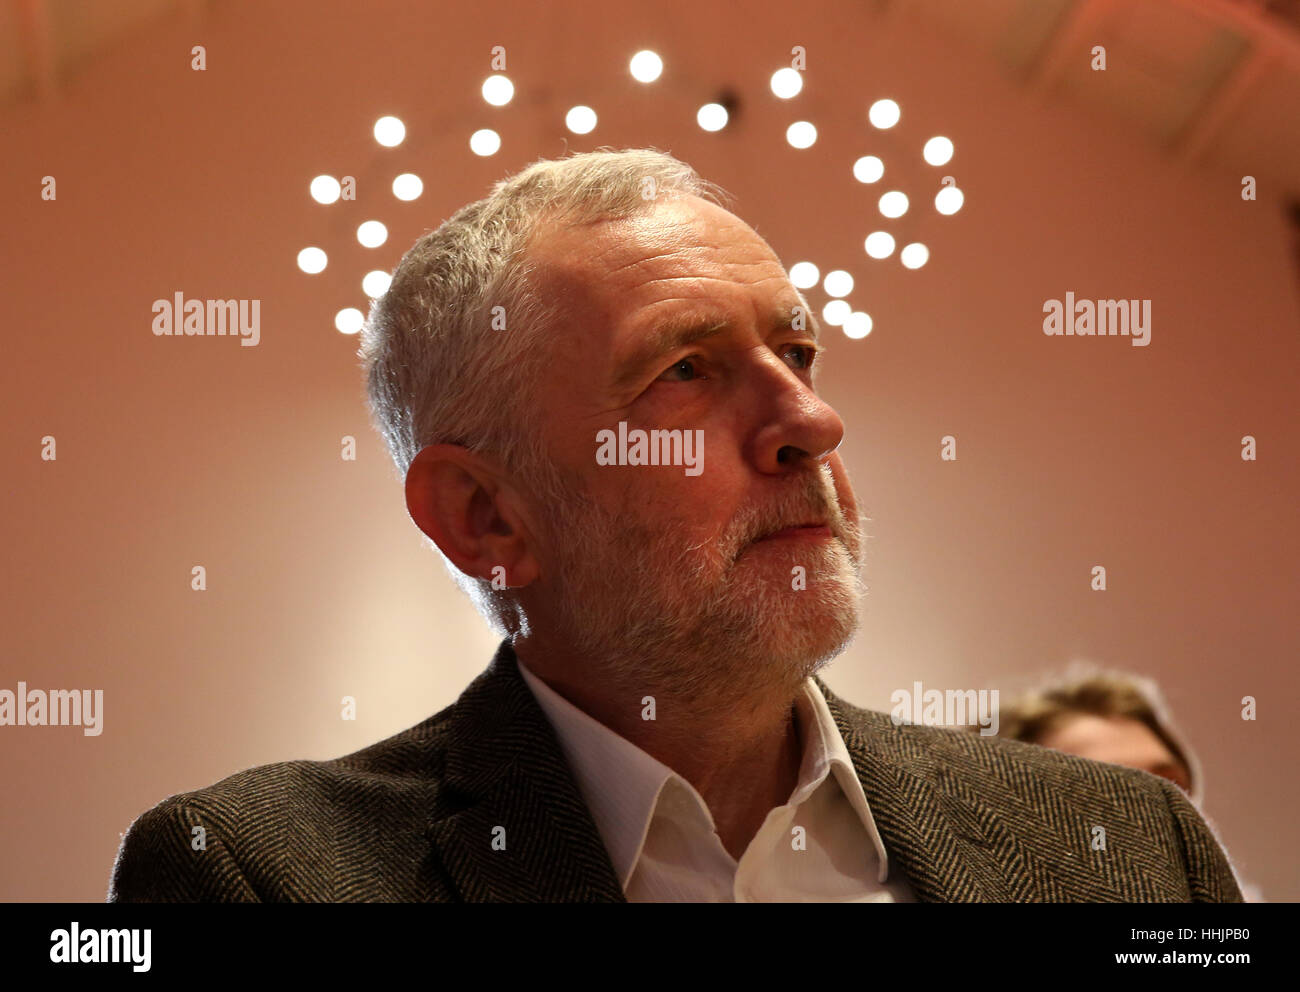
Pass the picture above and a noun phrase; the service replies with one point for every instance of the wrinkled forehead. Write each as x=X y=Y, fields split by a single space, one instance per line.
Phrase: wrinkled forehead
x=602 y=273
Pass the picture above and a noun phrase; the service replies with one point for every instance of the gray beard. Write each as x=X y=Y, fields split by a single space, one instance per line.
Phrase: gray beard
x=706 y=625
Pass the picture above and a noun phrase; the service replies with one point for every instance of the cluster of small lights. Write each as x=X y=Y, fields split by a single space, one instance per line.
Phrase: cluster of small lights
x=498 y=90
x=880 y=244
x=647 y=67
x=854 y=323
x=390 y=132
x=883 y=114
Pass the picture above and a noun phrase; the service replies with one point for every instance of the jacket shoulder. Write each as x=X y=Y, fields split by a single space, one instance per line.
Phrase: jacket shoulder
x=1138 y=830
x=273 y=832
x=952 y=756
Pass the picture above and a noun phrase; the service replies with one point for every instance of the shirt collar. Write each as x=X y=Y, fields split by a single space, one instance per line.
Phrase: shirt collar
x=622 y=783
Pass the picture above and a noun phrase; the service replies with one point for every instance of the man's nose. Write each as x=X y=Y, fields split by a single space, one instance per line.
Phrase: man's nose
x=796 y=427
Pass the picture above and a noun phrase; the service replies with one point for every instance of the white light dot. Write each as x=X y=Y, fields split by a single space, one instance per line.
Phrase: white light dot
x=712 y=117
x=375 y=284
x=372 y=234
x=325 y=189
x=949 y=200
x=880 y=244
x=838 y=283
x=787 y=82
x=312 y=260
x=484 y=142
x=857 y=325
x=893 y=204
x=801 y=134
x=836 y=312
x=580 y=120
x=884 y=114
x=389 y=131
x=804 y=275
x=938 y=151
x=408 y=186
x=914 y=255
x=349 y=320
x=498 y=90
x=868 y=169
x=646 y=66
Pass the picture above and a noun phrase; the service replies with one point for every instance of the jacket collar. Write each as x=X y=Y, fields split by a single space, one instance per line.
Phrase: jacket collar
x=951 y=845
x=506 y=782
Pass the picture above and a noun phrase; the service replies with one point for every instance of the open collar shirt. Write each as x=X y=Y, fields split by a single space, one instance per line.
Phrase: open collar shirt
x=821 y=846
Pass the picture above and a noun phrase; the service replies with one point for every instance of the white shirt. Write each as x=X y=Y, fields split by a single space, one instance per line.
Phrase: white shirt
x=662 y=840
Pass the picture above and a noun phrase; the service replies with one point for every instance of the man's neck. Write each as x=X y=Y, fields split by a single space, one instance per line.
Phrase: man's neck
x=742 y=753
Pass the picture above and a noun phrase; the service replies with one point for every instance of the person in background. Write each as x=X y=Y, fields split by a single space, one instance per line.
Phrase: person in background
x=1117 y=717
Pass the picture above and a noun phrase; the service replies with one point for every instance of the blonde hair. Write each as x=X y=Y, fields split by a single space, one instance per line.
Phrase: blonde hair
x=1098 y=692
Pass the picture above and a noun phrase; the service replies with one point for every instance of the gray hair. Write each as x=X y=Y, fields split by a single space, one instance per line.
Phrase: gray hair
x=437 y=371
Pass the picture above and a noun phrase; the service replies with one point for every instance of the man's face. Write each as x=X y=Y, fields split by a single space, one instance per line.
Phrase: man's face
x=647 y=569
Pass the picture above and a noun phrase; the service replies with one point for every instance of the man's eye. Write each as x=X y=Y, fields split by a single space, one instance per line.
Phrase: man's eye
x=672 y=373
x=808 y=354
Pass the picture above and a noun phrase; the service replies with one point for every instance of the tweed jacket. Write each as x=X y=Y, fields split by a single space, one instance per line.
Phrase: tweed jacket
x=478 y=804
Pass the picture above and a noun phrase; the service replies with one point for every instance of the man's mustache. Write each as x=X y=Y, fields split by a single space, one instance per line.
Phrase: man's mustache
x=812 y=501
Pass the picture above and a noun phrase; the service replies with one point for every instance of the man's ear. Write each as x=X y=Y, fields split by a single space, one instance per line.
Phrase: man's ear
x=461 y=499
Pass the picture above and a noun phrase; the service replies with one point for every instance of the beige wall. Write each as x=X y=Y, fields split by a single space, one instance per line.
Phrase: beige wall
x=1072 y=452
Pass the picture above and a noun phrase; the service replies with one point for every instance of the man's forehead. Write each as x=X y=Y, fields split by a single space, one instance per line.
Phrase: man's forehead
x=677 y=239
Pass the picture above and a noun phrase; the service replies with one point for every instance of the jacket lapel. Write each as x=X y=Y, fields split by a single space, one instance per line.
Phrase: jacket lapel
x=506 y=782
x=938 y=836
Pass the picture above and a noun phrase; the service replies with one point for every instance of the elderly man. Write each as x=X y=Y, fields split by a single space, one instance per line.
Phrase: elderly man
x=599 y=385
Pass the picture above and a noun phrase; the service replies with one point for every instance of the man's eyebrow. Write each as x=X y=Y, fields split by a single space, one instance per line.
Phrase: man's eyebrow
x=676 y=330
